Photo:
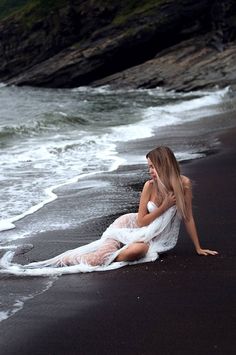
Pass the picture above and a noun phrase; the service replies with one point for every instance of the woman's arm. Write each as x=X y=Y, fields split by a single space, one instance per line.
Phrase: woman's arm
x=144 y=217
x=190 y=223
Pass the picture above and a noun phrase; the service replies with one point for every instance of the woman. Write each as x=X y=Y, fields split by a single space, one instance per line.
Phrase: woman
x=139 y=237
x=166 y=189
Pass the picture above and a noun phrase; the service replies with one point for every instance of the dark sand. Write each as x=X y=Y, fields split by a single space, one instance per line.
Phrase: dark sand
x=180 y=304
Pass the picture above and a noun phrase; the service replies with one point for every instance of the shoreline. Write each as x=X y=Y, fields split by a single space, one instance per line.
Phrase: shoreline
x=182 y=299
x=162 y=132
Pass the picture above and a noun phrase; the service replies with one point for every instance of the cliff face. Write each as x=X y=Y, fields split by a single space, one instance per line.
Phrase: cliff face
x=177 y=44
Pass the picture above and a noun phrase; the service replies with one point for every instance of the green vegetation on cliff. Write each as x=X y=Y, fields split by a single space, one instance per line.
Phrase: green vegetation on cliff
x=21 y=8
x=7 y=7
x=132 y=8
x=40 y=8
x=67 y=43
x=97 y=13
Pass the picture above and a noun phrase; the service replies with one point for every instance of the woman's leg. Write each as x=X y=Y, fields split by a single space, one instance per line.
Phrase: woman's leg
x=135 y=251
x=96 y=258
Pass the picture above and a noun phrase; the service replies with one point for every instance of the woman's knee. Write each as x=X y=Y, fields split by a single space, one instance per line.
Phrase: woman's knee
x=134 y=251
x=139 y=249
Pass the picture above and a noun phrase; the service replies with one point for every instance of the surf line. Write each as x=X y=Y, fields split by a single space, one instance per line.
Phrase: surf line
x=8 y=224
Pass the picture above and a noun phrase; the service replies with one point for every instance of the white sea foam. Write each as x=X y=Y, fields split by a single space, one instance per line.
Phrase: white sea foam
x=107 y=154
x=19 y=301
x=61 y=157
x=171 y=114
x=8 y=247
x=190 y=110
x=17 y=306
x=208 y=100
x=189 y=155
x=9 y=224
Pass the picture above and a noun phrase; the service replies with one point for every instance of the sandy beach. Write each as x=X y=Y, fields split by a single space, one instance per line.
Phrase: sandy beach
x=180 y=304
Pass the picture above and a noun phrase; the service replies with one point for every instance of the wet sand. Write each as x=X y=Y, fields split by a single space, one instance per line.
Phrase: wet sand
x=180 y=304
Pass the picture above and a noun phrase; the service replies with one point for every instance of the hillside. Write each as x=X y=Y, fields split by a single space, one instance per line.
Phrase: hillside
x=180 y=44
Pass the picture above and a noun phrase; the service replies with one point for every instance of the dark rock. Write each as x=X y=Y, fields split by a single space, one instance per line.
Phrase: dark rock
x=181 y=45
x=190 y=65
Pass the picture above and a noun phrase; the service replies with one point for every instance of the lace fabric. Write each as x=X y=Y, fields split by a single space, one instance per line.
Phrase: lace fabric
x=161 y=235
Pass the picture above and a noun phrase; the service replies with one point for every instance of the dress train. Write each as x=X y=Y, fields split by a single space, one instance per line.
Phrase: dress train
x=161 y=235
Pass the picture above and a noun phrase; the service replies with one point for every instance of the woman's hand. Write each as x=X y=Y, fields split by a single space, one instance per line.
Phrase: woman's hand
x=169 y=201
x=206 y=252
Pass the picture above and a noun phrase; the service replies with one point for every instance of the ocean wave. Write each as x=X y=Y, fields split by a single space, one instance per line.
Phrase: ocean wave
x=62 y=118
x=155 y=117
x=51 y=195
x=158 y=91
x=7 y=132
x=54 y=122
x=112 y=113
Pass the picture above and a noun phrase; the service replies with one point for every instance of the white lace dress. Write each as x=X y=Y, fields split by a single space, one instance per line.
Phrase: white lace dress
x=161 y=235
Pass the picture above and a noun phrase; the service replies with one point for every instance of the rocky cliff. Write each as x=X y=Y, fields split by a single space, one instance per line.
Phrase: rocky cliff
x=178 y=44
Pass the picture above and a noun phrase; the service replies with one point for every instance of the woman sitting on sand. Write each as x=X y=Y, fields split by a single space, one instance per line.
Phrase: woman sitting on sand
x=138 y=237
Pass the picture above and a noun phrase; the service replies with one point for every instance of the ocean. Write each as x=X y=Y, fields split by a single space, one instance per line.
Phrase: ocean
x=52 y=138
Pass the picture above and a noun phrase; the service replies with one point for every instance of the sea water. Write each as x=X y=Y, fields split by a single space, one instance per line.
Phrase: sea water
x=54 y=137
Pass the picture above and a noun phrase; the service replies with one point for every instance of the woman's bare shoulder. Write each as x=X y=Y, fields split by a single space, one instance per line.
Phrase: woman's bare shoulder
x=148 y=186
x=186 y=182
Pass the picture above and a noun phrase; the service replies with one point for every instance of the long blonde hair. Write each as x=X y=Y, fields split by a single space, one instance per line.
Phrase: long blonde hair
x=169 y=179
